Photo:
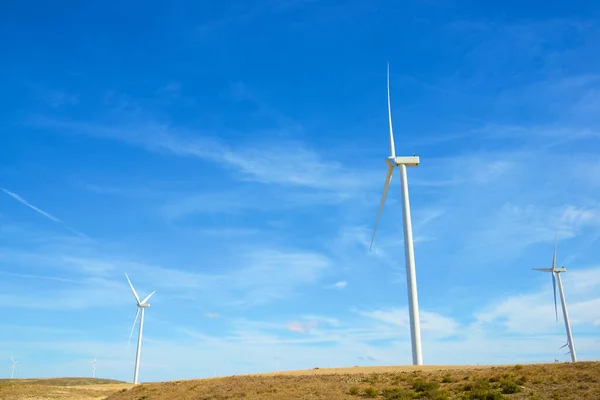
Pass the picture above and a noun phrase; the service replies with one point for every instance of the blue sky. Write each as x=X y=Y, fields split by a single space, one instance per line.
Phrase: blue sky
x=231 y=156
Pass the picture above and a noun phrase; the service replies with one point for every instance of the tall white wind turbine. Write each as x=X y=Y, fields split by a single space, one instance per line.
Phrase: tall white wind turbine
x=411 y=278
x=141 y=306
x=12 y=367
x=94 y=367
x=556 y=277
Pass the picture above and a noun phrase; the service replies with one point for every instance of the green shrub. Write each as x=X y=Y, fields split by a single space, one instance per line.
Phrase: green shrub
x=371 y=392
x=435 y=395
x=482 y=394
x=370 y=379
x=423 y=386
x=521 y=380
x=353 y=390
x=395 y=393
x=509 y=386
x=447 y=379
x=479 y=384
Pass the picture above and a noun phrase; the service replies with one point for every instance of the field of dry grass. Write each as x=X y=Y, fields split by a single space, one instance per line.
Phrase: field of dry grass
x=538 y=381
x=59 y=388
x=544 y=381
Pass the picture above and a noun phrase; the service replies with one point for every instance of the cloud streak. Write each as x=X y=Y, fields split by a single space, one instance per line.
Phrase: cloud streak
x=23 y=201
x=42 y=212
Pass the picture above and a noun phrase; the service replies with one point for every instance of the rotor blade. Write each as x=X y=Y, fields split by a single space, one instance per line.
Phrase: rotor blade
x=388 y=179
x=148 y=297
x=542 y=269
x=133 y=327
x=392 y=147
x=132 y=289
x=554 y=287
x=554 y=257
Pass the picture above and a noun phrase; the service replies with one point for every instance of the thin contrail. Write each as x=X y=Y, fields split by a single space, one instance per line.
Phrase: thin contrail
x=44 y=213
x=22 y=200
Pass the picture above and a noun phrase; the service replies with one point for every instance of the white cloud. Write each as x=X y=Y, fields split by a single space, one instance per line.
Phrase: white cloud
x=531 y=314
x=339 y=285
x=211 y=315
x=302 y=327
x=432 y=323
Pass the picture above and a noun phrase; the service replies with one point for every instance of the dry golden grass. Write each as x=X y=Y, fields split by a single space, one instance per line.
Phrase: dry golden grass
x=537 y=381
x=543 y=381
x=59 y=388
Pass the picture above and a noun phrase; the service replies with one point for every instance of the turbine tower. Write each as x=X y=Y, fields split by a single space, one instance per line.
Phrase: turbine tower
x=94 y=368
x=411 y=278
x=141 y=306
x=12 y=367
x=556 y=277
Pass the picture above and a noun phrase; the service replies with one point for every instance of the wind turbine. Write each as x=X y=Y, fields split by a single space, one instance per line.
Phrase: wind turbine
x=556 y=277
x=94 y=368
x=141 y=306
x=12 y=367
x=411 y=278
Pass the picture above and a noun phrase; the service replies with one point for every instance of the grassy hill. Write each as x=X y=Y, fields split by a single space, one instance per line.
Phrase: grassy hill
x=544 y=381
x=579 y=381
x=60 y=381
x=59 y=388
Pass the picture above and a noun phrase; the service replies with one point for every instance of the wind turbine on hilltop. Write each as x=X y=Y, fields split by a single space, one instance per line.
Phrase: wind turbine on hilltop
x=556 y=277
x=411 y=278
x=141 y=306
x=12 y=367
x=94 y=367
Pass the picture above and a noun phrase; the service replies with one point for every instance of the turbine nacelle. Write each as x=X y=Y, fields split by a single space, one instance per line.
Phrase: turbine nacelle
x=411 y=161
x=561 y=269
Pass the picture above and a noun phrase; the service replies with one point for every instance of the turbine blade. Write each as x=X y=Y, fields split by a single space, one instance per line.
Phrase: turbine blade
x=554 y=257
x=392 y=147
x=133 y=327
x=148 y=297
x=132 y=289
x=542 y=269
x=554 y=287
x=388 y=179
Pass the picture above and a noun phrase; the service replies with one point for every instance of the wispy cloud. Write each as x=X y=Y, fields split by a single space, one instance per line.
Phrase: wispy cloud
x=42 y=212
x=302 y=327
x=286 y=162
x=23 y=201
x=212 y=315
x=338 y=285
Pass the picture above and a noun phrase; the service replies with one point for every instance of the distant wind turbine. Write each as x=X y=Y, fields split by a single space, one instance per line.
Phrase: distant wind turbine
x=12 y=367
x=94 y=368
x=141 y=306
x=556 y=277
x=411 y=277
